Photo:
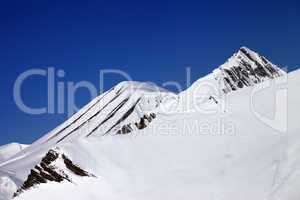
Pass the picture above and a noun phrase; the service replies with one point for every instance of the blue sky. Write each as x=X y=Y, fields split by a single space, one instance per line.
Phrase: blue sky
x=151 y=40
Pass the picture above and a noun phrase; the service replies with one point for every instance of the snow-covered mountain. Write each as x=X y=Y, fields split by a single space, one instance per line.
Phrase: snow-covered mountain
x=139 y=141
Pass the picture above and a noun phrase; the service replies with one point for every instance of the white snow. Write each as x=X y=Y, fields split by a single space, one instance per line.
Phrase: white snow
x=9 y=150
x=7 y=187
x=194 y=149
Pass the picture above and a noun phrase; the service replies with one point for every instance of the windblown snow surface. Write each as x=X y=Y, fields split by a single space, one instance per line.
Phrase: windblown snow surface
x=9 y=150
x=229 y=141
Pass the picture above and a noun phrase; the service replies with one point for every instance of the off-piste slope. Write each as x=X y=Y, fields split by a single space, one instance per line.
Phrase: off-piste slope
x=233 y=134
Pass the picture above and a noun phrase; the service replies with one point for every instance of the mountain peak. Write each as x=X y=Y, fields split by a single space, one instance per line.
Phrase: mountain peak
x=244 y=48
x=245 y=68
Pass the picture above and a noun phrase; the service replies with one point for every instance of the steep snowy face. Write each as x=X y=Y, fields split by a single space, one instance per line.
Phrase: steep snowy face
x=245 y=68
x=126 y=107
x=129 y=106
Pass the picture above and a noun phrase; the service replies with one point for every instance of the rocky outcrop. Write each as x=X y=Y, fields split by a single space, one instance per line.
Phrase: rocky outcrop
x=48 y=170
x=143 y=123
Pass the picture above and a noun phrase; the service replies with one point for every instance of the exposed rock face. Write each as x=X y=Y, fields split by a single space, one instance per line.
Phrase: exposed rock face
x=48 y=170
x=245 y=68
x=143 y=123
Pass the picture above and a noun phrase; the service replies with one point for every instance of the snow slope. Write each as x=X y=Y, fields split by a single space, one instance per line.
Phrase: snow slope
x=9 y=150
x=204 y=143
x=7 y=186
x=129 y=104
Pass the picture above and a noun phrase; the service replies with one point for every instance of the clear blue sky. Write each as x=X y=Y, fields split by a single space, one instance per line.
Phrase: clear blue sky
x=151 y=40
